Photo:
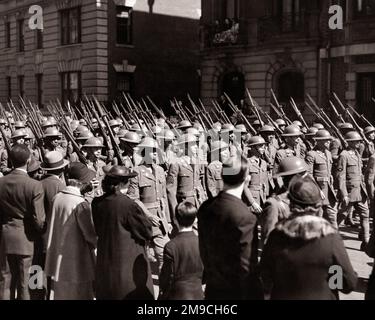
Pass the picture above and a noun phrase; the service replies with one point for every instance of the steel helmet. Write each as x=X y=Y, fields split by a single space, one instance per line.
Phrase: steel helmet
x=82 y=122
x=167 y=135
x=51 y=132
x=290 y=166
x=187 y=138
x=184 y=124
x=353 y=136
x=297 y=123
x=292 y=131
x=81 y=129
x=121 y=133
x=149 y=142
x=218 y=145
x=156 y=130
x=255 y=140
x=19 y=125
x=256 y=123
x=227 y=127
x=84 y=135
x=19 y=133
x=240 y=128
x=29 y=134
x=113 y=123
x=311 y=131
x=93 y=143
x=280 y=122
x=369 y=129
x=345 y=126
x=317 y=125
x=193 y=131
x=323 y=135
x=2 y=121
x=266 y=129
x=131 y=137
x=198 y=126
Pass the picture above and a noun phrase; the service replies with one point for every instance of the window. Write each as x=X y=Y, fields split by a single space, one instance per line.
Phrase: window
x=124 y=83
x=71 y=88
x=21 y=35
x=290 y=15
x=363 y=8
x=21 y=86
x=39 y=88
x=70 y=26
x=39 y=39
x=7 y=34
x=124 y=25
x=9 y=87
x=230 y=9
x=365 y=92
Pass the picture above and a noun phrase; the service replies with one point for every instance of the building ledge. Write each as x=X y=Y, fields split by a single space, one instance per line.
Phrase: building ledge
x=125 y=46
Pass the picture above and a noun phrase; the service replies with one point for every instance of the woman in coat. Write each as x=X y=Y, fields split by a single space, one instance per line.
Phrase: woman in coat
x=123 y=270
x=70 y=257
x=304 y=257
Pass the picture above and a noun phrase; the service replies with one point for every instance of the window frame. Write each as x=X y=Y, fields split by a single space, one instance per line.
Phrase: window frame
x=39 y=39
x=66 y=94
x=21 y=35
x=128 y=25
x=130 y=78
x=8 y=37
x=39 y=89
x=66 y=27
x=361 y=14
x=9 y=86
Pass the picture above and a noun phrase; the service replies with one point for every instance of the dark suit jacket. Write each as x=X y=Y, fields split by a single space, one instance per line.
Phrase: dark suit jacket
x=181 y=274
x=226 y=227
x=22 y=212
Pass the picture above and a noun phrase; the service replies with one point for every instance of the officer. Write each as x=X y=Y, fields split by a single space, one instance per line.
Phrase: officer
x=149 y=186
x=276 y=207
x=186 y=176
x=352 y=190
x=292 y=148
x=320 y=163
x=219 y=154
x=258 y=175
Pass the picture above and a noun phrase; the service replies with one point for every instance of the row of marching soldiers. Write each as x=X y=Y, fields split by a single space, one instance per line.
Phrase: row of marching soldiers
x=168 y=166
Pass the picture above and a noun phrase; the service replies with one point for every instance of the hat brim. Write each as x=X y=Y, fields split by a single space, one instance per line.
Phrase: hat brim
x=46 y=168
x=128 y=176
x=290 y=173
x=325 y=138
x=291 y=135
x=93 y=146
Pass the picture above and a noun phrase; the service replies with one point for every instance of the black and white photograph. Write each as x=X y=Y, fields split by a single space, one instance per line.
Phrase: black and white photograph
x=206 y=152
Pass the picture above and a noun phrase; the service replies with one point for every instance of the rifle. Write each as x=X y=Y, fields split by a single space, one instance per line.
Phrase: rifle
x=337 y=114
x=196 y=110
x=115 y=146
x=256 y=112
x=361 y=117
x=280 y=107
x=298 y=113
x=220 y=111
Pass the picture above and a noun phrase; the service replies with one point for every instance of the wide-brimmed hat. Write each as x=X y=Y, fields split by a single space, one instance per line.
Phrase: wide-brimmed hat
x=33 y=165
x=80 y=172
x=121 y=172
x=54 y=161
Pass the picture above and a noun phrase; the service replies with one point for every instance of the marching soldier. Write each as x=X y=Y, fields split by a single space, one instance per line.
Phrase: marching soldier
x=369 y=149
x=281 y=124
x=185 y=176
x=352 y=190
x=128 y=144
x=320 y=163
x=166 y=139
x=268 y=134
x=230 y=136
x=149 y=186
x=52 y=139
x=219 y=154
x=17 y=137
x=309 y=135
x=81 y=140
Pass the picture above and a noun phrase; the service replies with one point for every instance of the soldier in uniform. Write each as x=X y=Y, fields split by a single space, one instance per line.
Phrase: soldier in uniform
x=186 y=176
x=352 y=191
x=166 y=139
x=276 y=207
x=320 y=163
x=309 y=135
x=268 y=134
x=370 y=183
x=281 y=124
x=241 y=129
x=369 y=149
x=128 y=144
x=17 y=137
x=292 y=148
x=81 y=140
x=93 y=147
x=52 y=140
x=149 y=186
x=219 y=154
x=30 y=142
x=230 y=136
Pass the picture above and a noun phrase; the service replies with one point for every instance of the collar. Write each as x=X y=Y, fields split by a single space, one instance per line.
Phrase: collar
x=22 y=170
x=73 y=191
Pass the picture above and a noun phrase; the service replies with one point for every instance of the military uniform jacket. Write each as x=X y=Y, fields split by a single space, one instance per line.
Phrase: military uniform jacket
x=258 y=184
x=98 y=168
x=297 y=151
x=370 y=176
x=184 y=182
x=149 y=188
x=215 y=182
x=349 y=176
x=320 y=167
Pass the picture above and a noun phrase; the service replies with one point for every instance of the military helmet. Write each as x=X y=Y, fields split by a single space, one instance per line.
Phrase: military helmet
x=255 y=140
x=193 y=131
x=227 y=127
x=187 y=138
x=82 y=122
x=369 y=129
x=290 y=166
x=323 y=135
x=216 y=126
x=156 y=130
x=3 y=121
x=19 y=133
x=280 y=122
x=131 y=137
x=292 y=131
x=19 y=124
x=240 y=128
x=256 y=123
x=29 y=134
x=311 y=131
x=135 y=127
x=121 y=133
x=353 y=136
x=318 y=125
x=113 y=123
x=266 y=129
x=198 y=126
x=218 y=145
x=93 y=143
x=84 y=135
x=345 y=126
x=297 y=123
x=184 y=124
x=167 y=135
x=81 y=129
x=51 y=132
x=46 y=123
x=149 y=142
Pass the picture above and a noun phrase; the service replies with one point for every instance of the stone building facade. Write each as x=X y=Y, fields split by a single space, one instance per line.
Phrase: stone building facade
x=287 y=45
x=99 y=47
